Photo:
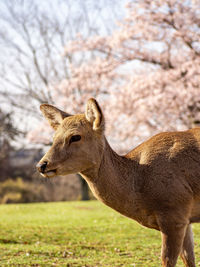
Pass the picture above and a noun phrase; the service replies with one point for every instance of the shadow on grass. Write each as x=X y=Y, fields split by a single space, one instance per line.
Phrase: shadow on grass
x=7 y=241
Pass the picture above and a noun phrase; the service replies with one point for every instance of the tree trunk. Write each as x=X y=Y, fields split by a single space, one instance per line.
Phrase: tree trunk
x=84 y=188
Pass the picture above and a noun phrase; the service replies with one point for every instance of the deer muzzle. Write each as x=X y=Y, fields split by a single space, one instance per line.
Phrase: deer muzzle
x=42 y=168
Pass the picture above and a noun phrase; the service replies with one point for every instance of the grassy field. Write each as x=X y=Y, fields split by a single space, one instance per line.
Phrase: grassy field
x=76 y=234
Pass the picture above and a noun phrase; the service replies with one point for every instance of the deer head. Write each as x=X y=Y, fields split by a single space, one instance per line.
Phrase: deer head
x=78 y=140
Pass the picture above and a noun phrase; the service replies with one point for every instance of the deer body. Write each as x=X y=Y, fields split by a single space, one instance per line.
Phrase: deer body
x=157 y=183
x=139 y=185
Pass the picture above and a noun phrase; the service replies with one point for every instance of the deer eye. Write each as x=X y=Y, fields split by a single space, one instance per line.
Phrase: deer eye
x=74 y=138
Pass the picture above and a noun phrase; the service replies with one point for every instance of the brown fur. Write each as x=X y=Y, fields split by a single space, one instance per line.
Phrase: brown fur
x=156 y=184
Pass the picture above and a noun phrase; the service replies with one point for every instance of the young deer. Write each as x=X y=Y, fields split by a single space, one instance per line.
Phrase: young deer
x=157 y=183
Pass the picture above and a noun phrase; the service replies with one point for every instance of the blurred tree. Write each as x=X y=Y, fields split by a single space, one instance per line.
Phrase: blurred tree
x=32 y=39
x=8 y=133
x=7 y=130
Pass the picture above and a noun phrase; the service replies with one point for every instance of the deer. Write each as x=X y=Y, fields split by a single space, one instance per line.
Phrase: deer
x=156 y=184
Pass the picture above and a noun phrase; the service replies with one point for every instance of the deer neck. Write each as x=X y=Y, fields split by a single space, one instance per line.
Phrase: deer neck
x=112 y=181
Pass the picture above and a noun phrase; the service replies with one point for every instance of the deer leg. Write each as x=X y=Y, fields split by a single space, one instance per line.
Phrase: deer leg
x=187 y=252
x=172 y=241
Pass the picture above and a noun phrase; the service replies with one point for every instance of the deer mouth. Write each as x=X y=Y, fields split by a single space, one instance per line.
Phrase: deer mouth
x=49 y=174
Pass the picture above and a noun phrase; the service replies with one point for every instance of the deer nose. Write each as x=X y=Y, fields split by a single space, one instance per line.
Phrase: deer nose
x=41 y=166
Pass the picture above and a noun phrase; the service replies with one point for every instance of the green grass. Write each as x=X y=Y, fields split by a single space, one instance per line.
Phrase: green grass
x=76 y=234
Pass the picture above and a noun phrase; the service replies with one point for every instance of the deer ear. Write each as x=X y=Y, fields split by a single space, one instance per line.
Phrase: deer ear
x=94 y=114
x=54 y=115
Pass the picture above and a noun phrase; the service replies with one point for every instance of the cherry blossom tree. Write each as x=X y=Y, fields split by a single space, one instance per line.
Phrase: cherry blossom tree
x=145 y=74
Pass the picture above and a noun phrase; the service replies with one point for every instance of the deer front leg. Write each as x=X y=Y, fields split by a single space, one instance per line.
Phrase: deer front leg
x=172 y=241
x=187 y=252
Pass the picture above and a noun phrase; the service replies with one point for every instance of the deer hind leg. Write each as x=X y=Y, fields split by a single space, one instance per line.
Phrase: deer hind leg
x=187 y=252
x=172 y=241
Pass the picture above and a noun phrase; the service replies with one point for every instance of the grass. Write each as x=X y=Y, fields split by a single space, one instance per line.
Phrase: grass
x=76 y=234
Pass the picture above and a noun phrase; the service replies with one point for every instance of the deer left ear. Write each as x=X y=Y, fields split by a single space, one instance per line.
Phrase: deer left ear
x=94 y=114
x=54 y=115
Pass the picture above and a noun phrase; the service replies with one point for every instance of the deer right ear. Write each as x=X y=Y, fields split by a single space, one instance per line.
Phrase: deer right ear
x=94 y=114
x=54 y=115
